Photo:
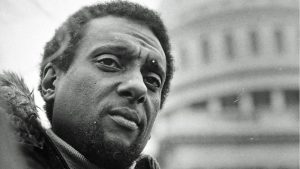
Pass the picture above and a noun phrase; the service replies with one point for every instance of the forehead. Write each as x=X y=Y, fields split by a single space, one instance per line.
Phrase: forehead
x=122 y=31
x=112 y=24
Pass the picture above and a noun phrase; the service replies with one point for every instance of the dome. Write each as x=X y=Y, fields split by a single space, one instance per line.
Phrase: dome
x=236 y=86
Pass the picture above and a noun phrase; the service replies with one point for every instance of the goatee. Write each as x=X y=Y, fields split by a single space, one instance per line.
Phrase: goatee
x=109 y=154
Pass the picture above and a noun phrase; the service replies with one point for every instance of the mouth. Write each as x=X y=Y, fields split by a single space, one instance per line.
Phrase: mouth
x=120 y=120
x=125 y=117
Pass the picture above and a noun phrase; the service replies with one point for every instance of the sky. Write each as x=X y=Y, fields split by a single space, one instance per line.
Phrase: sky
x=25 y=27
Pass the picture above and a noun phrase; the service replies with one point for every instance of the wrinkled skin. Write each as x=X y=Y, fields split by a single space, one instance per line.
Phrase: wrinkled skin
x=119 y=64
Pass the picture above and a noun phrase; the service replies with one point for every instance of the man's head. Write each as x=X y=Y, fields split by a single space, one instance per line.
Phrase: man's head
x=104 y=76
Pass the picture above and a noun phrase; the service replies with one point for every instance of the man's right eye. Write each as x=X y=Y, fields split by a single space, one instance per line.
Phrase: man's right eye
x=108 y=62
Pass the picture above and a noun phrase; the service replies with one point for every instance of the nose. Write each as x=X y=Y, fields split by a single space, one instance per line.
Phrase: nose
x=134 y=89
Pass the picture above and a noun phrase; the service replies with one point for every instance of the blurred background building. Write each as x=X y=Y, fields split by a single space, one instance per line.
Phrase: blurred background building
x=234 y=103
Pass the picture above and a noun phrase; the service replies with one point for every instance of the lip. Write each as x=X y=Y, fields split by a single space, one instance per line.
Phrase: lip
x=125 y=117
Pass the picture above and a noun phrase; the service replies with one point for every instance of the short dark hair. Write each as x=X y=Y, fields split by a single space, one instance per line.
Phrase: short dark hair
x=60 y=50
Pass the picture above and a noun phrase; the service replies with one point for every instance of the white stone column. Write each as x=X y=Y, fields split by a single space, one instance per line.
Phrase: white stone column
x=217 y=48
x=291 y=41
x=241 y=42
x=214 y=106
x=267 y=42
x=246 y=105
x=277 y=101
x=195 y=55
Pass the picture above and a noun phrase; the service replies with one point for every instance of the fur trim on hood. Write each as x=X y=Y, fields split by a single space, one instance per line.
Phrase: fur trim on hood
x=23 y=115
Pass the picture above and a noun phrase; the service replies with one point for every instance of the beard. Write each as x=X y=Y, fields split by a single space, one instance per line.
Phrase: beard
x=109 y=154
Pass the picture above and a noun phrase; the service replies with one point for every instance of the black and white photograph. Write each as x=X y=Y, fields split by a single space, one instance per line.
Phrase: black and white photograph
x=149 y=84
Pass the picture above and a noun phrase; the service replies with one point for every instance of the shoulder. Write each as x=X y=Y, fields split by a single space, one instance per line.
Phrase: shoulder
x=146 y=162
x=18 y=103
x=22 y=141
x=15 y=153
x=23 y=125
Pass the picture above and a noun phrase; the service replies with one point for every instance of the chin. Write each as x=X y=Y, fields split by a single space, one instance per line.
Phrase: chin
x=113 y=153
x=118 y=140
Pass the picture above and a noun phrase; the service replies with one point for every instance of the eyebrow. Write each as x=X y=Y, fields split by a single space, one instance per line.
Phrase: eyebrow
x=119 y=49
x=148 y=40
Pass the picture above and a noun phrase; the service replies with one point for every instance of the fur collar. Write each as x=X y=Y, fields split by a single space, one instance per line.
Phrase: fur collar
x=23 y=111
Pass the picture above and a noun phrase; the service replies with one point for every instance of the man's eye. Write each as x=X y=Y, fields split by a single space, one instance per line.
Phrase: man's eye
x=108 y=62
x=152 y=81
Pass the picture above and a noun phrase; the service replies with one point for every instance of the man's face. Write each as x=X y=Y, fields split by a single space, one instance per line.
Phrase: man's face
x=110 y=96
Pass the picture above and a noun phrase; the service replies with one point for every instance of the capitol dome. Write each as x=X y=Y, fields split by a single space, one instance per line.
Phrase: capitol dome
x=234 y=101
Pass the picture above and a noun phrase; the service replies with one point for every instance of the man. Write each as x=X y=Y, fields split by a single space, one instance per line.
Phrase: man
x=104 y=77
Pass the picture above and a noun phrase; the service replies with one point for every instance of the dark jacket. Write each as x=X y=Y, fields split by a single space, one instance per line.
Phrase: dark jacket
x=25 y=144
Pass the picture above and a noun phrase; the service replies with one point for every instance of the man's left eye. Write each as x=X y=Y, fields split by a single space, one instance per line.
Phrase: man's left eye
x=152 y=81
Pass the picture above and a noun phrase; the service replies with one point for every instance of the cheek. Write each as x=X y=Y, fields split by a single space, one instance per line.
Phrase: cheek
x=151 y=123
x=77 y=93
x=92 y=94
x=152 y=109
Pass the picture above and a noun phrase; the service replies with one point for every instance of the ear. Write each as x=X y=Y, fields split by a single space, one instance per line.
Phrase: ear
x=49 y=81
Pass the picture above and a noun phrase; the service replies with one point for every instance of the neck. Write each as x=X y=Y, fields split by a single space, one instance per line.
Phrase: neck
x=72 y=156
